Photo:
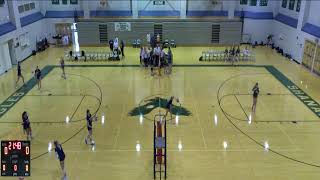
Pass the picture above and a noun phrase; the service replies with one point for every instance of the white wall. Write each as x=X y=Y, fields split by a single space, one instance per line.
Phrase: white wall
x=293 y=39
x=36 y=9
x=4 y=14
x=5 y=61
x=143 y=5
x=314 y=13
x=286 y=11
x=124 y=5
x=257 y=8
x=50 y=29
x=47 y=5
x=35 y=32
x=258 y=29
x=204 y=5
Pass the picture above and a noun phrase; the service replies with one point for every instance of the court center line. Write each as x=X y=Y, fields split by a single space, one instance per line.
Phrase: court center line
x=286 y=134
x=175 y=150
x=199 y=121
x=119 y=127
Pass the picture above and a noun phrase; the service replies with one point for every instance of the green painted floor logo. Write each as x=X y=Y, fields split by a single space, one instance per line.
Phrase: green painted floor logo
x=148 y=105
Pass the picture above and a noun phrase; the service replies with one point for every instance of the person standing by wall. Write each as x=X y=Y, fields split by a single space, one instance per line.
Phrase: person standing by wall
x=19 y=73
x=122 y=48
x=111 y=44
x=170 y=58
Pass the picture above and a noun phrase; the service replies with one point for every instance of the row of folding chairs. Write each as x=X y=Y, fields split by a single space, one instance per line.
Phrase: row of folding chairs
x=170 y=43
x=221 y=56
x=89 y=56
x=136 y=43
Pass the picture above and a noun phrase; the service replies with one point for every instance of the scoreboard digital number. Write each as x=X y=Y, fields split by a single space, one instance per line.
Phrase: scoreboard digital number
x=15 y=158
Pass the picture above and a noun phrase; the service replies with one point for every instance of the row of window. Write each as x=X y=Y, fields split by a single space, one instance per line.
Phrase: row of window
x=291 y=4
x=64 y=1
x=254 y=2
x=26 y=7
x=1 y=3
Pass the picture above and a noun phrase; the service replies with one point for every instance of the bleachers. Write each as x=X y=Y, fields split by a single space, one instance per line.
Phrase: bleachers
x=212 y=55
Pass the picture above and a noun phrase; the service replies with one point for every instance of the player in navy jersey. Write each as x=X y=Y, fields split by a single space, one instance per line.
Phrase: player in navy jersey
x=26 y=125
x=255 y=91
x=169 y=106
x=62 y=68
x=19 y=73
x=37 y=74
x=61 y=156
x=89 y=119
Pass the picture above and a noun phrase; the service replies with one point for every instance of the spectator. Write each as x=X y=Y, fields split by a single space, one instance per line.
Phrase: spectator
x=146 y=56
x=111 y=44
x=226 y=54
x=141 y=54
x=170 y=61
x=122 y=47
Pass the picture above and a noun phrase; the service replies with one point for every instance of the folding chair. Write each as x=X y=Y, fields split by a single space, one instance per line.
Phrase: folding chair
x=173 y=43
x=134 y=44
x=166 y=43
x=138 y=43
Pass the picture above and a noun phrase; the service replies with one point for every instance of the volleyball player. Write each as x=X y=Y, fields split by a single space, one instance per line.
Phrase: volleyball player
x=169 y=107
x=89 y=119
x=26 y=125
x=61 y=156
x=19 y=74
x=157 y=52
x=62 y=68
x=152 y=60
x=37 y=74
x=256 y=91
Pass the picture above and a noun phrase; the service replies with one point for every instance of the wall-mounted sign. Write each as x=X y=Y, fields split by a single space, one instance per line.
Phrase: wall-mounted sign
x=159 y=2
x=122 y=26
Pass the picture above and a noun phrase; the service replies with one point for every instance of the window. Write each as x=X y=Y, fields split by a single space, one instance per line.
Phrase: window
x=64 y=1
x=298 y=5
x=55 y=1
x=291 y=4
x=26 y=7
x=73 y=1
x=284 y=3
x=243 y=2
x=263 y=2
x=32 y=5
x=21 y=9
x=2 y=3
x=253 y=2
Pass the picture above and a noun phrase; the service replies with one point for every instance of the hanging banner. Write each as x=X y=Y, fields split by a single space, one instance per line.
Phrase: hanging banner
x=122 y=26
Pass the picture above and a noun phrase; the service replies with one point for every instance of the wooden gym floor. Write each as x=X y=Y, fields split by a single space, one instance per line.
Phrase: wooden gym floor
x=283 y=120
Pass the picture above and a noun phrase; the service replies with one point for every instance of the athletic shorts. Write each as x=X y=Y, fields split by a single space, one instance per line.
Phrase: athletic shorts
x=62 y=158
x=26 y=126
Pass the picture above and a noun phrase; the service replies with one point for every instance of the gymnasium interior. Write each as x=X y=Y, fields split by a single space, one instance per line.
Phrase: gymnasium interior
x=171 y=86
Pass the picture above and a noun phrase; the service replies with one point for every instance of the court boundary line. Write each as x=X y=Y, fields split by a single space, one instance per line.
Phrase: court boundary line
x=250 y=137
x=309 y=102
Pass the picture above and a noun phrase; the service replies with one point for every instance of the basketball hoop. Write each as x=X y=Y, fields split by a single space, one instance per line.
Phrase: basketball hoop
x=215 y=2
x=103 y=3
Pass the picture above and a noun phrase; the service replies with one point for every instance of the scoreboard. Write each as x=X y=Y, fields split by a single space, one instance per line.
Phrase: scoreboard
x=15 y=158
